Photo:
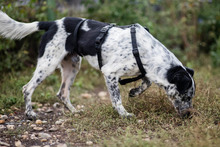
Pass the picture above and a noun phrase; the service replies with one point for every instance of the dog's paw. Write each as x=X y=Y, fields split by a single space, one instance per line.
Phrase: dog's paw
x=133 y=92
x=31 y=115
x=128 y=116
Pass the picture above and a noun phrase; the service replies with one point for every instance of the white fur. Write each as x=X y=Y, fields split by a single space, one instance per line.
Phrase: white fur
x=15 y=30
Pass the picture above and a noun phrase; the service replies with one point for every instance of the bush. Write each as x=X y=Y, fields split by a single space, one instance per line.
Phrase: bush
x=14 y=55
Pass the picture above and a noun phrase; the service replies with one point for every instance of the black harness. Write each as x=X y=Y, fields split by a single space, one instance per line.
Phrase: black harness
x=98 y=44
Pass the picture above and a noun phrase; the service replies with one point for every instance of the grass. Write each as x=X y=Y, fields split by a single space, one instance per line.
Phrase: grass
x=156 y=122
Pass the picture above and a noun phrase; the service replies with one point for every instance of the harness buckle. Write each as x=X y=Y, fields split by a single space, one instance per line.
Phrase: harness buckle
x=104 y=29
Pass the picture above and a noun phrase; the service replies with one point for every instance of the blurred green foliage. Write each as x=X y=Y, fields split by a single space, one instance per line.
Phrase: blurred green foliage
x=188 y=27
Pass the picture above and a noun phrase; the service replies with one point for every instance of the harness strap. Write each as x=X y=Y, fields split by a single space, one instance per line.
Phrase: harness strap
x=137 y=58
x=99 y=41
x=75 y=36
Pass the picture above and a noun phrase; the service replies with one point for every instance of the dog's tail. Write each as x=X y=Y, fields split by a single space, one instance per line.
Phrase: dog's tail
x=12 y=29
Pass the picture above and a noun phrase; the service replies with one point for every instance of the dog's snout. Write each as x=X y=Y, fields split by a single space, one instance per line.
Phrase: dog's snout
x=186 y=114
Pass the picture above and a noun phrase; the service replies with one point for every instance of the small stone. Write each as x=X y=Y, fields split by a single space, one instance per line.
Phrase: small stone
x=70 y=130
x=24 y=137
x=104 y=98
x=33 y=125
x=2 y=121
x=38 y=128
x=4 y=144
x=10 y=127
x=56 y=105
x=86 y=95
x=44 y=135
x=78 y=107
x=4 y=117
x=49 y=110
x=16 y=118
x=89 y=142
x=102 y=94
x=38 y=122
x=2 y=127
x=26 y=133
x=46 y=146
x=18 y=143
x=62 y=145
x=59 y=122
x=53 y=129
x=147 y=138
x=43 y=140
x=76 y=115
x=139 y=121
x=33 y=136
x=44 y=121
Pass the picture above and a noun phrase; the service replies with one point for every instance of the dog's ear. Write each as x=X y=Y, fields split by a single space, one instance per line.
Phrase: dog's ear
x=190 y=71
x=178 y=76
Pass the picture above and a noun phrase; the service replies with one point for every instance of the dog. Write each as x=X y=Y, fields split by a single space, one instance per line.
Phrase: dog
x=57 y=50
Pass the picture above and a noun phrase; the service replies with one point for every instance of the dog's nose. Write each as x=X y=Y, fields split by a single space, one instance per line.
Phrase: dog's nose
x=186 y=114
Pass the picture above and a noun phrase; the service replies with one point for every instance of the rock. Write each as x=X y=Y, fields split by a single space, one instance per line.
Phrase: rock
x=86 y=95
x=89 y=142
x=59 y=122
x=17 y=118
x=139 y=121
x=147 y=138
x=44 y=121
x=33 y=136
x=24 y=137
x=4 y=117
x=10 y=127
x=4 y=144
x=43 y=140
x=35 y=146
x=44 y=135
x=102 y=94
x=18 y=143
x=38 y=128
x=2 y=121
x=33 y=125
x=53 y=129
x=56 y=105
x=26 y=133
x=76 y=115
x=46 y=146
x=70 y=130
x=62 y=145
x=38 y=122
x=49 y=110
x=2 y=127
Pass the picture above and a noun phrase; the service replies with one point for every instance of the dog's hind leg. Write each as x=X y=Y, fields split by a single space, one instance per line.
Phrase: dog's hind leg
x=69 y=69
x=45 y=66
x=112 y=85
x=140 y=89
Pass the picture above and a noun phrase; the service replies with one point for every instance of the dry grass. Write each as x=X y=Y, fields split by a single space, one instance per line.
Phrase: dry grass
x=156 y=122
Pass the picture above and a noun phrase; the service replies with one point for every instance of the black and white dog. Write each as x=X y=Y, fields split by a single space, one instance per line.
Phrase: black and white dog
x=57 y=50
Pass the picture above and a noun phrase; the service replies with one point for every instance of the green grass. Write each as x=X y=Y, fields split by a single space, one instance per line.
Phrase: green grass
x=156 y=122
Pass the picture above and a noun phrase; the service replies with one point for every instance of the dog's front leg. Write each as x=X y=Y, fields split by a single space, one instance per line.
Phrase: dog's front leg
x=112 y=85
x=140 y=89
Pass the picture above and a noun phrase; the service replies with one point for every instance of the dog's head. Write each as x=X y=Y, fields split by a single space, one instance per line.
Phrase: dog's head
x=181 y=89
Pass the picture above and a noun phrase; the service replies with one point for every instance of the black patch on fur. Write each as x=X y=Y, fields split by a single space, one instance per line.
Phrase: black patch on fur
x=178 y=76
x=51 y=28
x=86 y=39
x=190 y=71
x=45 y=25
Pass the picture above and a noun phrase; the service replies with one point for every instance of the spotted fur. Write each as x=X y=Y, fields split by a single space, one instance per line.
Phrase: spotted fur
x=57 y=50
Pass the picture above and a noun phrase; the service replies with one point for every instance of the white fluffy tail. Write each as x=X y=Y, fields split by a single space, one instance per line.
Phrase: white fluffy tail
x=10 y=28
